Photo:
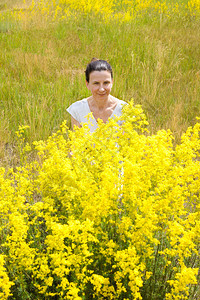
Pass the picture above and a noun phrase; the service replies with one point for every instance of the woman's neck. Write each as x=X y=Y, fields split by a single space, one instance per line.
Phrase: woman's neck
x=101 y=104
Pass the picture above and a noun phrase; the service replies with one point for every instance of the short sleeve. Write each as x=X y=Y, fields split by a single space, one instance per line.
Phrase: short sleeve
x=79 y=110
x=73 y=112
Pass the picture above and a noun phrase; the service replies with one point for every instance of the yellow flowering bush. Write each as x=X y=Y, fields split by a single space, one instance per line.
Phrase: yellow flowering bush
x=5 y=283
x=109 y=215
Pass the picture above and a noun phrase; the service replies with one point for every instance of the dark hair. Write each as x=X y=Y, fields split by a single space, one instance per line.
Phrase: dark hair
x=97 y=65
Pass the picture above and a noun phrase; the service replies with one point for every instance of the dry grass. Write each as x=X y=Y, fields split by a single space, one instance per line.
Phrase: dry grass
x=14 y=4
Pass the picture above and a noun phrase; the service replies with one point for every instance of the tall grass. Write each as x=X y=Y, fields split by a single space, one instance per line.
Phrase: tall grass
x=155 y=62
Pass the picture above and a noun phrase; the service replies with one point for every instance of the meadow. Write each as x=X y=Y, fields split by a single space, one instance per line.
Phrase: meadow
x=44 y=52
x=107 y=222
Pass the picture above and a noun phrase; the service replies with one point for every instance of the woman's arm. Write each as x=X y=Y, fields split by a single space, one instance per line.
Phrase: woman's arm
x=75 y=122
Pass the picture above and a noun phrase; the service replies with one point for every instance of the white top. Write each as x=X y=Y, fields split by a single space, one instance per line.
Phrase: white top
x=79 y=110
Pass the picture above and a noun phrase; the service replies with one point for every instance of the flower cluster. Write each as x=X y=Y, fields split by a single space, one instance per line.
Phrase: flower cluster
x=123 y=11
x=109 y=215
x=194 y=7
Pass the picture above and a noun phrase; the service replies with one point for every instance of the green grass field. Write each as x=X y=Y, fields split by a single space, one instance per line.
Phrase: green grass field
x=156 y=61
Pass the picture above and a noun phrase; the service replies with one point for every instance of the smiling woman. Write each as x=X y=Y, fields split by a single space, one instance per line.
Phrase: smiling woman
x=99 y=81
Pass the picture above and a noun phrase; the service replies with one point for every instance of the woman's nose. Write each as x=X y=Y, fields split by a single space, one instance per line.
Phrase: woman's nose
x=101 y=88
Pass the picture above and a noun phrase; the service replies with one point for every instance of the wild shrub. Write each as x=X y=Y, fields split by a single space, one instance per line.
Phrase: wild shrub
x=109 y=215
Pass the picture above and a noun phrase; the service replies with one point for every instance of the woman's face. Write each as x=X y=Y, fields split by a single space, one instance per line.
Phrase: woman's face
x=100 y=84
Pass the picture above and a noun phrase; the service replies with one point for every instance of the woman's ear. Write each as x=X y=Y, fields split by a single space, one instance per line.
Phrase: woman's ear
x=87 y=84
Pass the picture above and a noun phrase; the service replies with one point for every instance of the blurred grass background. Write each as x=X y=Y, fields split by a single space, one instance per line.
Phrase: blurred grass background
x=156 y=61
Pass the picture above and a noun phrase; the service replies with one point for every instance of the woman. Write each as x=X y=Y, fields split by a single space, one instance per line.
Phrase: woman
x=99 y=81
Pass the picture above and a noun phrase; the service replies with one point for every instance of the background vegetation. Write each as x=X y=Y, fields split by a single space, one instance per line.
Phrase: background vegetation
x=45 y=46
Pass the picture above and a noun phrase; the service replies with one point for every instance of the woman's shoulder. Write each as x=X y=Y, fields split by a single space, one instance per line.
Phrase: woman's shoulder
x=78 y=106
x=79 y=103
x=120 y=103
